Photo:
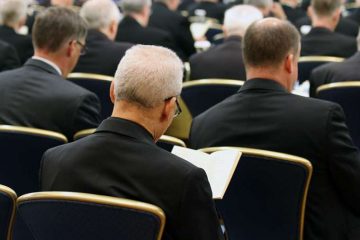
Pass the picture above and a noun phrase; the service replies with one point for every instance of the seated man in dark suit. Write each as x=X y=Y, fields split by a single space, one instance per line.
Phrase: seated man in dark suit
x=265 y=115
x=225 y=60
x=37 y=95
x=127 y=163
x=133 y=27
x=8 y=57
x=292 y=10
x=103 y=54
x=335 y=72
x=208 y=8
x=165 y=17
x=322 y=40
x=13 y=14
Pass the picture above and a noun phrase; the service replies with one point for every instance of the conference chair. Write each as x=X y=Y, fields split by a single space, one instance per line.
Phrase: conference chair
x=187 y=71
x=347 y=94
x=21 y=152
x=75 y=216
x=266 y=197
x=200 y=95
x=7 y=211
x=165 y=142
x=308 y=63
x=98 y=84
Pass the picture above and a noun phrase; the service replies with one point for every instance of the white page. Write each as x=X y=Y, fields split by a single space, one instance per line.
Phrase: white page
x=219 y=166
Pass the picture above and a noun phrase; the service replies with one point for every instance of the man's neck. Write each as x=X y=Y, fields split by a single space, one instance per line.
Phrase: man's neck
x=323 y=23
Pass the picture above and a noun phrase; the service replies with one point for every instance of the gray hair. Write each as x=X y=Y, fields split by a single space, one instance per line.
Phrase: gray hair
x=55 y=26
x=238 y=18
x=12 y=11
x=100 y=13
x=134 y=6
x=325 y=7
x=147 y=75
x=259 y=3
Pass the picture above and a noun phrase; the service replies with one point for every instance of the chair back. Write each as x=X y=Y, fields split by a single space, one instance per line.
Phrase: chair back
x=7 y=211
x=165 y=142
x=200 y=95
x=168 y=142
x=98 y=84
x=266 y=196
x=347 y=94
x=308 y=63
x=21 y=152
x=74 y=216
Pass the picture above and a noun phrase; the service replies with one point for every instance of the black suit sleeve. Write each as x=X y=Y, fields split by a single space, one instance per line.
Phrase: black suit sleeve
x=186 y=40
x=10 y=59
x=197 y=215
x=344 y=159
x=88 y=113
x=316 y=79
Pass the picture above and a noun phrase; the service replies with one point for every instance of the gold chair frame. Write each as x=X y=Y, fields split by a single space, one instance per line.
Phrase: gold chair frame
x=278 y=156
x=213 y=81
x=98 y=199
x=8 y=191
x=90 y=76
x=320 y=59
x=33 y=131
x=338 y=85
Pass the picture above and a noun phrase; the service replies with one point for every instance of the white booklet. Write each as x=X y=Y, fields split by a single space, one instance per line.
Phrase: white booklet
x=219 y=166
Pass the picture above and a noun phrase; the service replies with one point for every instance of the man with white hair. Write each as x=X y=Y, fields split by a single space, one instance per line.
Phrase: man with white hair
x=164 y=16
x=206 y=64
x=134 y=26
x=269 y=8
x=122 y=157
x=103 y=54
x=13 y=13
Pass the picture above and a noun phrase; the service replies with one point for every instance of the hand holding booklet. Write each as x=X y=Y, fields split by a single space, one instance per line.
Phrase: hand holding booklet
x=219 y=166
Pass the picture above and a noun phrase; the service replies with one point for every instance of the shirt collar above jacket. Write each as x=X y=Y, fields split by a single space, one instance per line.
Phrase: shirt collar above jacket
x=127 y=128
x=262 y=84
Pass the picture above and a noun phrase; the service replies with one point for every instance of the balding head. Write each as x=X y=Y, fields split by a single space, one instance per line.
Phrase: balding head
x=267 y=42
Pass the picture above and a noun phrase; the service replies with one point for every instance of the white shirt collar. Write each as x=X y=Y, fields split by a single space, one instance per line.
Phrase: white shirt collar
x=52 y=64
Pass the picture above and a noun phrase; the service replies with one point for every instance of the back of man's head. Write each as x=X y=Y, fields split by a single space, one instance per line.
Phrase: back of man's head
x=62 y=3
x=148 y=75
x=100 y=14
x=55 y=27
x=13 y=12
x=263 y=5
x=238 y=18
x=325 y=8
x=134 y=6
x=267 y=43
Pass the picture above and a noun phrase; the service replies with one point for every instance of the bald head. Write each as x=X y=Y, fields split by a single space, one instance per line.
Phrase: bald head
x=267 y=42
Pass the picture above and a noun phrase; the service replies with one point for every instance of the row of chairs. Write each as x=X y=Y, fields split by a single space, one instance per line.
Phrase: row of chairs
x=74 y=216
x=266 y=198
x=22 y=149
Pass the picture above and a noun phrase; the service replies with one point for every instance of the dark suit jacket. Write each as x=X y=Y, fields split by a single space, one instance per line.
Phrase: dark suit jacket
x=264 y=115
x=22 y=44
x=220 y=61
x=335 y=72
x=355 y=16
x=345 y=26
x=102 y=55
x=175 y=24
x=293 y=14
x=122 y=160
x=322 y=41
x=35 y=95
x=8 y=57
x=213 y=10
x=131 y=31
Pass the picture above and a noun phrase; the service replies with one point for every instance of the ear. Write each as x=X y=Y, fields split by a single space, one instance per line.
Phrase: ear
x=168 y=109
x=112 y=93
x=310 y=12
x=289 y=63
x=113 y=28
x=70 y=48
x=337 y=14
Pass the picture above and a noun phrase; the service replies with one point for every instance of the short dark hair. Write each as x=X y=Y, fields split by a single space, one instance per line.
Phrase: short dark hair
x=267 y=44
x=325 y=7
x=56 y=25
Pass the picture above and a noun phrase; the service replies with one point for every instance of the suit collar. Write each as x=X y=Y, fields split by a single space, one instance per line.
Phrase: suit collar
x=40 y=64
x=130 y=21
x=127 y=128
x=320 y=30
x=263 y=84
x=160 y=4
x=94 y=34
x=233 y=39
x=7 y=29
